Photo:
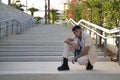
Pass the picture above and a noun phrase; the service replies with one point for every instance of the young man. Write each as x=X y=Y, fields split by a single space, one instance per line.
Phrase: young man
x=87 y=55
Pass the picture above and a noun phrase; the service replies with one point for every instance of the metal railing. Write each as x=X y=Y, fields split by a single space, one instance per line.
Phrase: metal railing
x=12 y=26
x=95 y=28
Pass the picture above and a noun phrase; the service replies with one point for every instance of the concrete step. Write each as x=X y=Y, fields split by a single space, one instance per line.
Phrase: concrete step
x=32 y=44
x=31 y=53
x=55 y=53
x=32 y=49
x=98 y=49
x=41 y=58
x=48 y=71
x=100 y=53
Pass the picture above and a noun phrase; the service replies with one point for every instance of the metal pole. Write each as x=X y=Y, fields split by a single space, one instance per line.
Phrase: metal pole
x=22 y=28
x=0 y=34
x=17 y=32
x=119 y=49
x=12 y=27
x=7 y=29
x=48 y=11
x=96 y=39
x=9 y=2
x=45 y=12
x=26 y=6
x=90 y=32
x=0 y=31
x=105 y=46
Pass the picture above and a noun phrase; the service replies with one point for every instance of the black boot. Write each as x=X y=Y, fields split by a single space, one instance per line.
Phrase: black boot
x=89 y=66
x=64 y=66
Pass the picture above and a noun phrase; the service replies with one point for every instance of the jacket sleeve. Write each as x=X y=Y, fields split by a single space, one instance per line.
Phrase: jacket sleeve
x=87 y=40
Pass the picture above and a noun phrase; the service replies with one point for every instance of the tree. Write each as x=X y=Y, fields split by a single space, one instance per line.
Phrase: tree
x=74 y=10
x=105 y=13
x=54 y=15
x=16 y=4
x=32 y=10
x=114 y=13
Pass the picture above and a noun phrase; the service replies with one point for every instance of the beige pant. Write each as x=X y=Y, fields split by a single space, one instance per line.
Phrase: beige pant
x=68 y=49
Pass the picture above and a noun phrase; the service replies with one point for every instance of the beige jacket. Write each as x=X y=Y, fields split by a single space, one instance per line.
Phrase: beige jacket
x=88 y=41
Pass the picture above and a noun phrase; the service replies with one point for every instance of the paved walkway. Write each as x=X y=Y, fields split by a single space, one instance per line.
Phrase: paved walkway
x=51 y=68
x=36 y=54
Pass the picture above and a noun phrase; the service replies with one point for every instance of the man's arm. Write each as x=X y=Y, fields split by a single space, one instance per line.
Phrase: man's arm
x=70 y=42
x=83 y=53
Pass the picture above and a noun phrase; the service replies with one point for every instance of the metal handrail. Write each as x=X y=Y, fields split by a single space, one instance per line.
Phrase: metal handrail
x=5 y=20
x=20 y=26
x=100 y=28
x=112 y=31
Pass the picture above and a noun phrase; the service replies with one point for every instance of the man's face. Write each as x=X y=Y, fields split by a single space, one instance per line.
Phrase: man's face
x=77 y=32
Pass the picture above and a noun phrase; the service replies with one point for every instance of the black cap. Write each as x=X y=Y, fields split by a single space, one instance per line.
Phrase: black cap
x=76 y=27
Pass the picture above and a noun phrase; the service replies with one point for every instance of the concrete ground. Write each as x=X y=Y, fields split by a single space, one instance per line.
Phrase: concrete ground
x=48 y=71
x=51 y=68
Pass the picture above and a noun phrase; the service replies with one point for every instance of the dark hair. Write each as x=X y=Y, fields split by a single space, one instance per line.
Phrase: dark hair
x=76 y=27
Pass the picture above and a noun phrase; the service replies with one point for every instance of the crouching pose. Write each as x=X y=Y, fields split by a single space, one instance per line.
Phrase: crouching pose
x=87 y=55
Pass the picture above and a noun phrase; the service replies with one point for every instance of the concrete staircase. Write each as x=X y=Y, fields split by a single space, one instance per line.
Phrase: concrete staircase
x=36 y=54
x=37 y=44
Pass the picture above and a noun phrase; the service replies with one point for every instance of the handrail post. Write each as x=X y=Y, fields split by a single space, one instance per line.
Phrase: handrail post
x=12 y=27
x=21 y=29
x=0 y=32
x=90 y=32
x=96 y=39
x=105 y=45
x=7 y=29
x=17 y=30
x=119 y=49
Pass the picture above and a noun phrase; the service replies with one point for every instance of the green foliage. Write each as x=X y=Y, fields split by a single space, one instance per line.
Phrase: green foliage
x=38 y=18
x=16 y=4
x=74 y=11
x=54 y=15
x=105 y=13
x=63 y=18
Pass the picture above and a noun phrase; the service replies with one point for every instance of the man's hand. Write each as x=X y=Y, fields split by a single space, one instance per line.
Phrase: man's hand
x=70 y=41
x=73 y=60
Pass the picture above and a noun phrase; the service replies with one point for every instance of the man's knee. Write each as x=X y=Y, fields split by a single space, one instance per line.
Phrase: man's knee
x=83 y=60
x=66 y=46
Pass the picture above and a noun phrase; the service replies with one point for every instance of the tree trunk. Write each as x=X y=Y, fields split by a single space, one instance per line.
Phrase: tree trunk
x=45 y=12
x=32 y=13
x=9 y=2
x=48 y=11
